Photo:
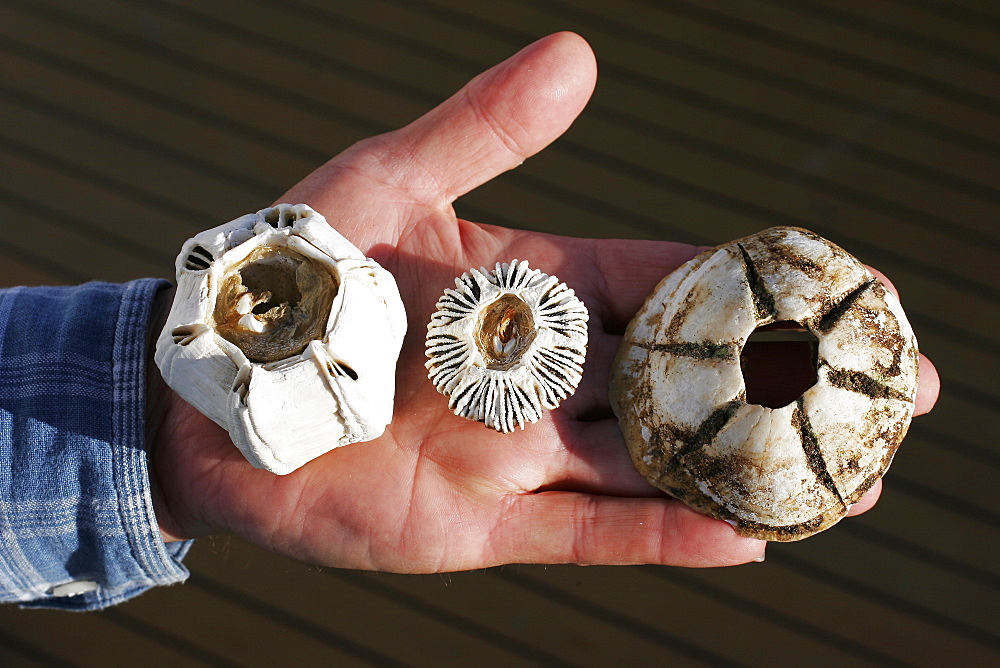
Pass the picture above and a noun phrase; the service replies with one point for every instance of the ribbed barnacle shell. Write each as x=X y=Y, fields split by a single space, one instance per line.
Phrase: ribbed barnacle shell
x=507 y=344
x=774 y=473
x=285 y=334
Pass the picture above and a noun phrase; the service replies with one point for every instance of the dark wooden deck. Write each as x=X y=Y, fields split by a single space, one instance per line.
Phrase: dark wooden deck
x=126 y=126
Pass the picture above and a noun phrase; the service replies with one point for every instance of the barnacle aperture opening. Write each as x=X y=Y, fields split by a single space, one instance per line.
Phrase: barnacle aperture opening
x=779 y=364
x=504 y=332
x=273 y=303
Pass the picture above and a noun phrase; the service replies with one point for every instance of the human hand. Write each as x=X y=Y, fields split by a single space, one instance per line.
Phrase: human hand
x=437 y=492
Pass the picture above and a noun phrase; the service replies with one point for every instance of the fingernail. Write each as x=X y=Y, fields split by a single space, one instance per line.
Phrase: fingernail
x=760 y=558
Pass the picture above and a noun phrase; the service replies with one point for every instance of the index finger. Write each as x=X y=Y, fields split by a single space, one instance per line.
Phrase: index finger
x=498 y=119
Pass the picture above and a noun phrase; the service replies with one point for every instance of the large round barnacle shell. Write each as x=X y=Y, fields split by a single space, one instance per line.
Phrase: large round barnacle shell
x=507 y=344
x=678 y=390
x=285 y=334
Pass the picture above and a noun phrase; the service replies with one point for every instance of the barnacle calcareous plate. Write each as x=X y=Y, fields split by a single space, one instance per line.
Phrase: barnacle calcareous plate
x=774 y=473
x=285 y=334
x=507 y=344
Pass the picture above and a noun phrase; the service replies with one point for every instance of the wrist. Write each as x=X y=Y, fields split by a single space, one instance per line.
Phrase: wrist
x=158 y=399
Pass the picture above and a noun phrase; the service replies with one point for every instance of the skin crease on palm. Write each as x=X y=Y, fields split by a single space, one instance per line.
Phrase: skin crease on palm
x=437 y=492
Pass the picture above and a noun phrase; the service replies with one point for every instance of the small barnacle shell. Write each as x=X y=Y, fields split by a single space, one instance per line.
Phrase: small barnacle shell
x=285 y=334
x=507 y=344
x=774 y=473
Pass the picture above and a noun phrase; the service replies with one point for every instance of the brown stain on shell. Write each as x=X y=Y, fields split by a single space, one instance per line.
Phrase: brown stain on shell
x=673 y=458
x=290 y=295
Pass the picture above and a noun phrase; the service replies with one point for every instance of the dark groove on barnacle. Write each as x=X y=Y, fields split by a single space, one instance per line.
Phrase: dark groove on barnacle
x=810 y=445
x=558 y=370
x=831 y=317
x=568 y=368
x=447 y=337
x=708 y=429
x=473 y=286
x=199 y=259
x=501 y=276
x=543 y=302
x=521 y=398
x=510 y=412
x=562 y=331
x=555 y=369
x=763 y=300
x=241 y=383
x=455 y=398
x=862 y=383
x=454 y=356
x=443 y=351
x=546 y=375
x=444 y=369
x=568 y=359
x=345 y=370
x=464 y=299
x=184 y=334
x=433 y=347
x=699 y=350
x=472 y=391
x=512 y=275
x=452 y=302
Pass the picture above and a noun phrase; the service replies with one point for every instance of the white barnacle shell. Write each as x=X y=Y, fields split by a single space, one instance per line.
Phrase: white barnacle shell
x=774 y=473
x=506 y=344
x=285 y=334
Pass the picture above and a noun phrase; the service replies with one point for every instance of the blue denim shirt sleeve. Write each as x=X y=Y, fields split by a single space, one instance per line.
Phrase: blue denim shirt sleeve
x=77 y=529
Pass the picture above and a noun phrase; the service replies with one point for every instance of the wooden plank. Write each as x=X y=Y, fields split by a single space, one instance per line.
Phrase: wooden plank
x=758 y=29
x=841 y=167
x=17 y=270
x=769 y=53
x=115 y=218
x=40 y=84
x=968 y=12
x=82 y=257
x=622 y=49
x=469 y=616
x=228 y=628
x=120 y=165
x=752 y=636
x=93 y=639
x=819 y=600
x=245 y=73
x=751 y=191
x=903 y=21
x=955 y=600
x=909 y=24
x=966 y=476
x=844 y=43
x=339 y=602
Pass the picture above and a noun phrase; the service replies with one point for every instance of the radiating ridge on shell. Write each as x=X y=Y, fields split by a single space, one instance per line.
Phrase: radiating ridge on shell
x=506 y=345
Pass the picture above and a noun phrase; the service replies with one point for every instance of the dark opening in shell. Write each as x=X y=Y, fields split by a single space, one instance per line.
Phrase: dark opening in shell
x=273 y=303
x=778 y=364
x=504 y=332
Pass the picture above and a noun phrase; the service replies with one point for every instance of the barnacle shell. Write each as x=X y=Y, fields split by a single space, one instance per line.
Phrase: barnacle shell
x=285 y=334
x=506 y=344
x=678 y=390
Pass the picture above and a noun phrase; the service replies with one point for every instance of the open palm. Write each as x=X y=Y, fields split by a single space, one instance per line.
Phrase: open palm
x=437 y=492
